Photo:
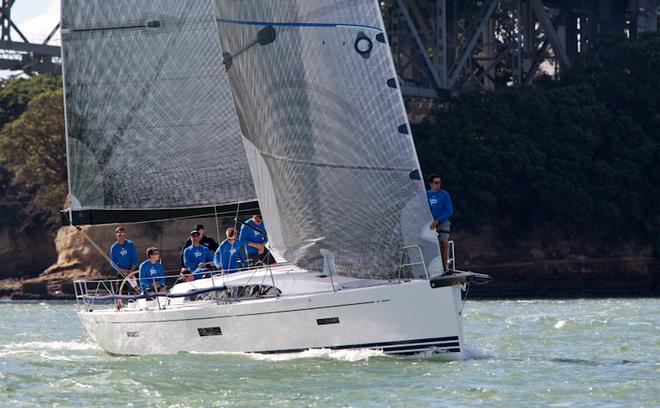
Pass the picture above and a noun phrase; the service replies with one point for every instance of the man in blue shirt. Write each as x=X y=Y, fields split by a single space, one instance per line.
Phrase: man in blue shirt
x=253 y=235
x=205 y=240
x=441 y=210
x=123 y=254
x=152 y=274
x=197 y=257
x=229 y=253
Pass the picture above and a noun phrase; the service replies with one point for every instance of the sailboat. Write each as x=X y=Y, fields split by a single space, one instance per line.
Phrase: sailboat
x=183 y=108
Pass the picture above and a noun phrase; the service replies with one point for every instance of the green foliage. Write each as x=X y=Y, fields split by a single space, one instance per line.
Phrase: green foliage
x=571 y=158
x=16 y=94
x=32 y=153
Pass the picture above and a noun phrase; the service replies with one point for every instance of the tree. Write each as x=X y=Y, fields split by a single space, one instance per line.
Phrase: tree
x=16 y=94
x=574 y=159
x=32 y=148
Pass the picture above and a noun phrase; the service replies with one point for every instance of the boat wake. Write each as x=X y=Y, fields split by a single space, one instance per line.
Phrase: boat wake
x=340 y=355
x=473 y=353
x=41 y=346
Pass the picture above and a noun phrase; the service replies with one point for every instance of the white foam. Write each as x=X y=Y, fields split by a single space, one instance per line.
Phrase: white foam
x=473 y=353
x=49 y=345
x=560 y=324
x=341 y=355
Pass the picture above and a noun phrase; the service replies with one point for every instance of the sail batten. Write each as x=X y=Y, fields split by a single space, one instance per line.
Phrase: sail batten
x=149 y=114
x=298 y=24
x=338 y=165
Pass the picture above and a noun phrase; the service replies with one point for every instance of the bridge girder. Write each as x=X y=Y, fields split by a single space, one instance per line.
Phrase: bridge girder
x=445 y=45
x=24 y=55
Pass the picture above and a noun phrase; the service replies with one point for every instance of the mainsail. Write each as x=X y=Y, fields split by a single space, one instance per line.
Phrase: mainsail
x=150 y=118
x=326 y=133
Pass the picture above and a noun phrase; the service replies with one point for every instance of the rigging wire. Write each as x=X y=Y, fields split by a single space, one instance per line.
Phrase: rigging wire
x=133 y=283
x=162 y=232
x=98 y=248
x=238 y=206
x=217 y=224
x=186 y=217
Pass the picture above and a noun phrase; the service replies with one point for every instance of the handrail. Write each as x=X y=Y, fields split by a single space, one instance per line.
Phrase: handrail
x=88 y=292
x=155 y=294
x=451 y=261
x=421 y=256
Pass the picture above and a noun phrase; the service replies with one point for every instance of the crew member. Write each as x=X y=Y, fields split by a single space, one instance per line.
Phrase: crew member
x=254 y=237
x=229 y=253
x=205 y=240
x=197 y=258
x=123 y=254
x=441 y=210
x=152 y=274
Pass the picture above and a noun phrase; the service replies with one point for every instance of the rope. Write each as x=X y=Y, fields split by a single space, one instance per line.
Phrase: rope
x=187 y=217
x=162 y=233
x=98 y=248
x=217 y=224
x=112 y=264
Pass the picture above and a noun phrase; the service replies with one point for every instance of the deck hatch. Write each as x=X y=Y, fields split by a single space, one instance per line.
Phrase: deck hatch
x=328 y=320
x=209 y=331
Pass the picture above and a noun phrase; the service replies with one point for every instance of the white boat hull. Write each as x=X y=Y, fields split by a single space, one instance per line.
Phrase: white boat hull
x=398 y=318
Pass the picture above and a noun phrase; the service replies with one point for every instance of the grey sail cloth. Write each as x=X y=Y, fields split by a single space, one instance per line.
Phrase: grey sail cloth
x=326 y=133
x=149 y=114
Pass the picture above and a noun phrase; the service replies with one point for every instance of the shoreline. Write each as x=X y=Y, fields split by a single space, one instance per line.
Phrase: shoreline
x=632 y=278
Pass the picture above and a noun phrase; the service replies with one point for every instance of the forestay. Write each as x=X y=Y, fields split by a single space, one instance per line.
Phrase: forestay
x=150 y=120
x=326 y=132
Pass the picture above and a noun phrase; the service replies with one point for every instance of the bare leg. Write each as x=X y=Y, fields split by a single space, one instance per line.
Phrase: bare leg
x=444 y=251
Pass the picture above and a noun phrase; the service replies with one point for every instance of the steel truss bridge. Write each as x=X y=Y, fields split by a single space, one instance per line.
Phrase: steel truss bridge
x=444 y=45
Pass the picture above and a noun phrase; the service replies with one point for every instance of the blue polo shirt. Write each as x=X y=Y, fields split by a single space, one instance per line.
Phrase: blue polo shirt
x=250 y=235
x=228 y=255
x=440 y=204
x=124 y=256
x=193 y=255
x=151 y=272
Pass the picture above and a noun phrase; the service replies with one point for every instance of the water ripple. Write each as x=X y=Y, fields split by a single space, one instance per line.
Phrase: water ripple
x=587 y=353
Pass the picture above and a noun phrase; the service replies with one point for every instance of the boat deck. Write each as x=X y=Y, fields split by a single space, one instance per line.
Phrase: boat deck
x=288 y=278
x=250 y=284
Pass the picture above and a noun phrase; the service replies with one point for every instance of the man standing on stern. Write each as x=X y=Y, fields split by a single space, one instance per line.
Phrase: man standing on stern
x=441 y=210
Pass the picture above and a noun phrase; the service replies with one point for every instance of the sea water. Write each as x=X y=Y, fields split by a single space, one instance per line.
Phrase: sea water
x=573 y=353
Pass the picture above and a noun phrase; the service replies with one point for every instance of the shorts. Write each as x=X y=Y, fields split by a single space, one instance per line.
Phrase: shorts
x=264 y=259
x=443 y=230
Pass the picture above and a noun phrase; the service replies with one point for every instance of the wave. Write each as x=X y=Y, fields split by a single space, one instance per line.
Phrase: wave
x=48 y=345
x=473 y=353
x=470 y=353
x=340 y=355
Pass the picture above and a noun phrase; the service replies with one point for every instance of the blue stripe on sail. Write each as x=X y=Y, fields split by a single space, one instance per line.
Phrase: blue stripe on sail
x=296 y=24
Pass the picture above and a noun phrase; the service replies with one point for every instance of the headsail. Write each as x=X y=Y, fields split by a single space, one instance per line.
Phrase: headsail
x=326 y=132
x=150 y=120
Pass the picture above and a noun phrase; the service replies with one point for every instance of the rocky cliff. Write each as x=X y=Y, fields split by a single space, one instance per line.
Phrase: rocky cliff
x=46 y=268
